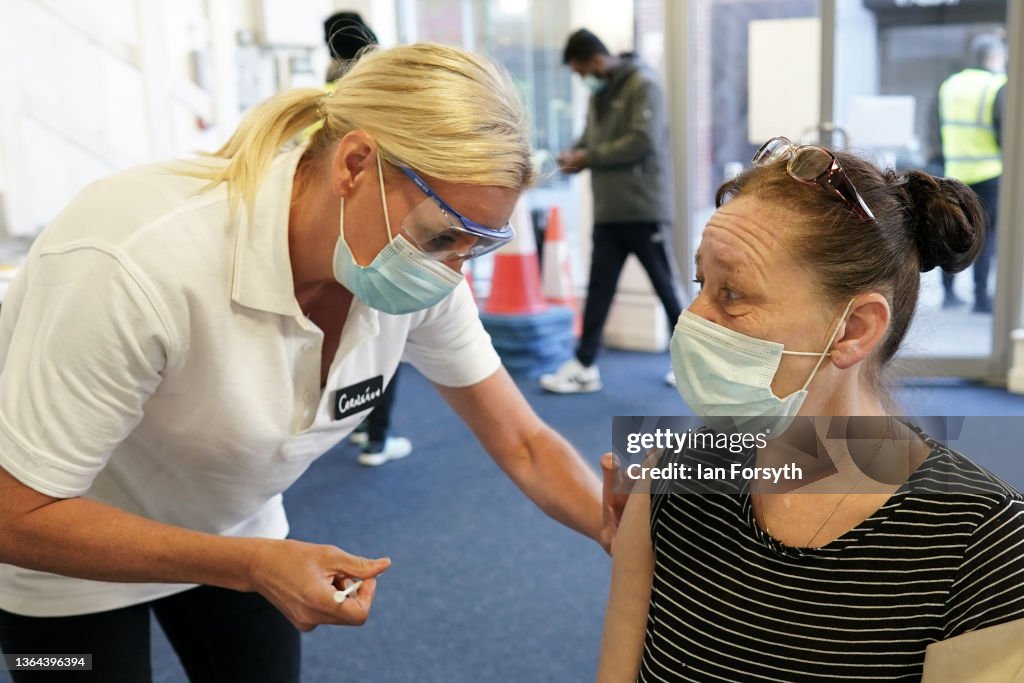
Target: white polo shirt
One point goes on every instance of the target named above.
(154, 358)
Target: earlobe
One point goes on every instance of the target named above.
(866, 326)
(839, 359)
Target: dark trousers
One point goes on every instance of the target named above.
(378, 422)
(613, 242)
(988, 193)
(221, 636)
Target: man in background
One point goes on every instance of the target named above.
(626, 147)
(971, 105)
(346, 35)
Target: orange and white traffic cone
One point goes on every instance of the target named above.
(515, 284)
(557, 275)
(530, 336)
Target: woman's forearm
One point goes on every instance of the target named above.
(90, 540)
(561, 483)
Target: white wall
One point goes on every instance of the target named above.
(609, 20)
(784, 76)
(855, 73)
(92, 86)
(381, 15)
(71, 110)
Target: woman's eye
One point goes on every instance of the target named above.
(439, 242)
(728, 295)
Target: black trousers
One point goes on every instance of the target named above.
(378, 422)
(221, 636)
(613, 242)
(988, 193)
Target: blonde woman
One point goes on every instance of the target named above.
(185, 339)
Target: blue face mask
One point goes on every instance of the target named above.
(725, 377)
(594, 83)
(401, 278)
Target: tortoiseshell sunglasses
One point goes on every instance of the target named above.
(814, 165)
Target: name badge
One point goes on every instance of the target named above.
(358, 397)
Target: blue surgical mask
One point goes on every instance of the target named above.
(400, 279)
(725, 377)
(594, 83)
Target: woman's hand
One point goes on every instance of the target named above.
(300, 580)
(613, 500)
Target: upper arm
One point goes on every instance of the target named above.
(451, 348)
(643, 121)
(448, 343)
(646, 110)
(495, 411)
(625, 622)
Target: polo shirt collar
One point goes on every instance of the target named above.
(262, 274)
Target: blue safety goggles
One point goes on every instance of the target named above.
(443, 234)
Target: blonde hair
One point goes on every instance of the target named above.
(437, 109)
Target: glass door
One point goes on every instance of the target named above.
(856, 74)
(884, 62)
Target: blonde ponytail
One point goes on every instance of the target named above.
(261, 134)
(437, 109)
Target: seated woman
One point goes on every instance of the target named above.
(808, 288)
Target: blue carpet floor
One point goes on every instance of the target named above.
(484, 588)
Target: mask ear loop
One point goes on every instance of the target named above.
(828, 347)
(383, 197)
(341, 218)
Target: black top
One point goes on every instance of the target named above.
(944, 556)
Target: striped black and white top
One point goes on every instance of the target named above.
(944, 556)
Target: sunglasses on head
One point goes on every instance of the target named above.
(814, 165)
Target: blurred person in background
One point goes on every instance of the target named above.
(970, 123)
(626, 147)
(345, 34)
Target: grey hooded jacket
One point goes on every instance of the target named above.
(628, 150)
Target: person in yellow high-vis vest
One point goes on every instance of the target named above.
(971, 104)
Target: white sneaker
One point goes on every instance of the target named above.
(572, 378)
(670, 378)
(360, 435)
(395, 448)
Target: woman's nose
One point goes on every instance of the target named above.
(704, 307)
